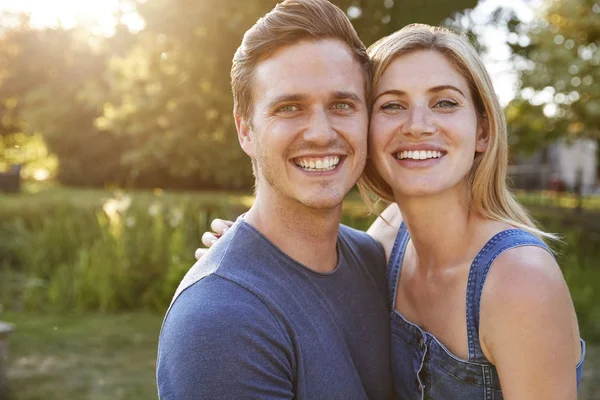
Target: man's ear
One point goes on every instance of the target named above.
(483, 136)
(245, 135)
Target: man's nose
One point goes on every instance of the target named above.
(319, 130)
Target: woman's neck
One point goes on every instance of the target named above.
(442, 228)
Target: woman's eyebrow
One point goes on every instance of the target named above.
(435, 89)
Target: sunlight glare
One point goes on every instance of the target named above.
(98, 16)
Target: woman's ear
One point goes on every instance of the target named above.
(483, 136)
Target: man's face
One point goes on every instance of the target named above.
(308, 133)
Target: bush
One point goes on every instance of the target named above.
(578, 255)
(120, 254)
(82, 251)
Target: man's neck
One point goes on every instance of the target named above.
(305, 234)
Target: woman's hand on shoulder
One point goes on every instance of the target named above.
(528, 326)
(219, 227)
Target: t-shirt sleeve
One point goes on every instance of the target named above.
(219, 341)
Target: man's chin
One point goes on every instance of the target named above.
(322, 200)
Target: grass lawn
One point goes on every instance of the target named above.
(101, 357)
(89, 357)
(90, 198)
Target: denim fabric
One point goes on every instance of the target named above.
(423, 368)
(248, 322)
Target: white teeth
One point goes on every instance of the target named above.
(320, 164)
(418, 154)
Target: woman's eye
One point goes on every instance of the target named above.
(446, 104)
(288, 108)
(391, 106)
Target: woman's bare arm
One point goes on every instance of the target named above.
(385, 228)
(528, 326)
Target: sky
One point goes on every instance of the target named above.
(99, 16)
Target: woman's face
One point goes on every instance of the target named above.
(424, 128)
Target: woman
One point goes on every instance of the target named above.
(438, 150)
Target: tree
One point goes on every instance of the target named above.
(171, 93)
(374, 19)
(557, 58)
(52, 82)
(154, 109)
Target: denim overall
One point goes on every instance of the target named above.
(422, 367)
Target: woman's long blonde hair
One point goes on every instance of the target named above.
(489, 193)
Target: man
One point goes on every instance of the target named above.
(289, 304)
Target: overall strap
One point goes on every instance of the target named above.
(479, 269)
(395, 262)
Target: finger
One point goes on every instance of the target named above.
(220, 226)
(208, 239)
(200, 252)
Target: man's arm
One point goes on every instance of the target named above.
(219, 341)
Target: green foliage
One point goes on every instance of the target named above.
(115, 254)
(578, 257)
(558, 59)
(79, 251)
(153, 109)
(50, 97)
(378, 18)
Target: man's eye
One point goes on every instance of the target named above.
(288, 108)
(342, 106)
(445, 104)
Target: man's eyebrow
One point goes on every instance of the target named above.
(287, 98)
(345, 95)
(434, 89)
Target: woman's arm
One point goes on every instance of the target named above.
(528, 327)
(219, 227)
(385, 228)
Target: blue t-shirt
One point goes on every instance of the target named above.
(249, 322)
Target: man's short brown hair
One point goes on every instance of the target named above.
(288, 23)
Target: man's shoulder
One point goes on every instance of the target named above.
(213, 298)
(227, 256)
(213, 330)
(354, 234)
